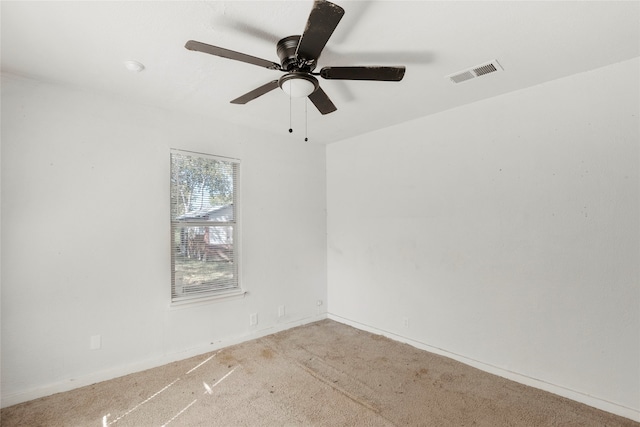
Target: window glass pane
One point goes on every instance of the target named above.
(202, 188)
(203, 260)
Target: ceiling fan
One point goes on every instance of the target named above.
(298, 58)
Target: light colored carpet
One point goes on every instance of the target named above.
(322, 374)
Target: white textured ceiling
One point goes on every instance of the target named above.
(84, 43)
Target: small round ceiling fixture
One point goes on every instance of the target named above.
(134, 66)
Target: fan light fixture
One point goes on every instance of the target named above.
(298, 85)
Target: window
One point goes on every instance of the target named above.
(204, 227)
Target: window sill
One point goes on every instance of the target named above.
(193, 302)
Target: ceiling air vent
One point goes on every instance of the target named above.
(477, 71)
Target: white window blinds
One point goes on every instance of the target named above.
(204, 226)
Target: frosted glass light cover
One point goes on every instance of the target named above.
(298, 88)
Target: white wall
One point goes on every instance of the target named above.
(506, 232)
(85, 237)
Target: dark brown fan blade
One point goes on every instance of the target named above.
(249, 96)
(388, 74)
(322, 101)
(230, 54)
(323, 20)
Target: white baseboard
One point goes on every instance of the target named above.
(115, 372)
(595, 402)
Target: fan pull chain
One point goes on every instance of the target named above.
(306, 102)
(290, 129)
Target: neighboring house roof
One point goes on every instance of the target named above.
(212, 213)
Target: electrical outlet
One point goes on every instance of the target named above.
(405, 322)
(253, 319)
(281, 311)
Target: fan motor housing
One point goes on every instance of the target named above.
(286, 49)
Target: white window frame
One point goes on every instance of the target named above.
(178, 295)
